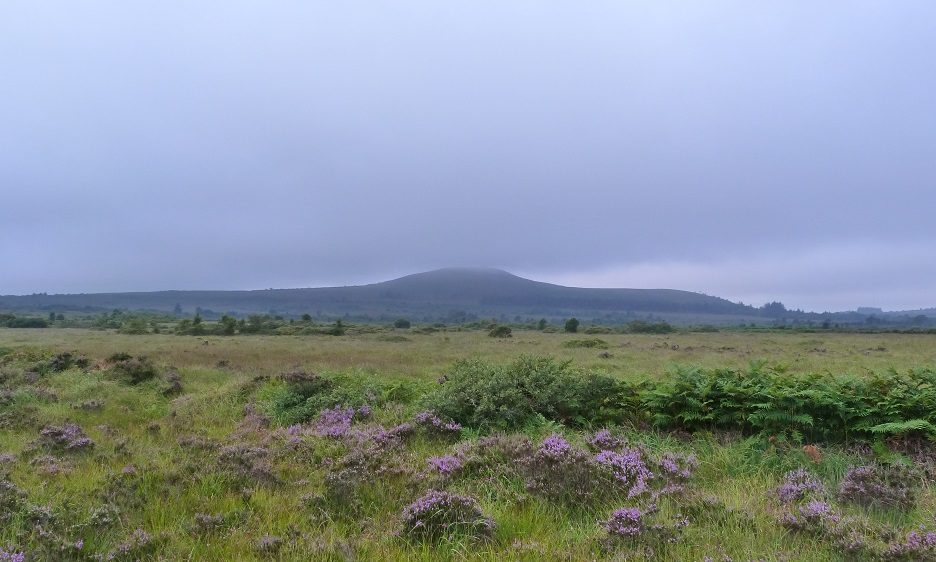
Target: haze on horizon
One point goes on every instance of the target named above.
(752, 151)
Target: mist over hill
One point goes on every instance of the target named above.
(452, 294)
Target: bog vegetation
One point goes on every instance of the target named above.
(152, 452)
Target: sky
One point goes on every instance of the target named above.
(755, 151)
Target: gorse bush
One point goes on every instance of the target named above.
(487, 396)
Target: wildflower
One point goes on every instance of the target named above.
(445, 465)
(603, 440)
(628, 468)
(797, 484)
(434, 424)
(625, 522)
(440, 514)
(334, 422)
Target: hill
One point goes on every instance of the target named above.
(444, 294)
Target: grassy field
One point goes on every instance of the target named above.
(204, 471)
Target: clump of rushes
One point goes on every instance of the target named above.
(878, 485)
(440, 514)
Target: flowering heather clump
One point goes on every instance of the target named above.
(138, 544)
(269, 544)
(445, 465)
(334, 422)
(501, 453)
(49, 465)
(246, 461)
(436, 425)
(604, 440)
(439, 514)
(205, 523)
(628, 468)
(625, 522)
(675, 470)
(798, 484)
(816, 516)
(11, 555)
(69, 437)
(887, 486)
(559, 471)
(918, 545)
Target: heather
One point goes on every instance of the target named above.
(524, 458)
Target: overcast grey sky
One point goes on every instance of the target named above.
(750, 150)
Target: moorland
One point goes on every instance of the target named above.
(409, 444)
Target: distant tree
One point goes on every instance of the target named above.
(500, 332)
(774, 308)
(541, 325)
(51, 317)
(198, 328)
(228, 325)
(307, 318)
(402, 324)
(572, 325)
(60, 317)
(177, 310)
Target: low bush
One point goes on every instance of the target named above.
(593, 343)
(487, 396)
(439, 514)
(134, 370)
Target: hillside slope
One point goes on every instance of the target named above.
(434, 294)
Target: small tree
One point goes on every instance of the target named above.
(307, 318)
(402, 324)
(572, 325)
(228, 325)
(541, 325)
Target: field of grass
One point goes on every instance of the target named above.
(216, 469)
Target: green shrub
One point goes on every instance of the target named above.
(587, 343)
(641, 327)
(488, 396)
(134, 370)
(500, 332)
(298, 397)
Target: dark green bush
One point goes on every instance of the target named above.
(500, 332)
(587, 343)
(134, 370)
(642, 327)
(487, 396)
(298, 397)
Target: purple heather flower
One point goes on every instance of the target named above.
(796, 484)
(625, 522)
(334, 422)
(628, 468)
(445, 465)
(555, 446)
(434, 423)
